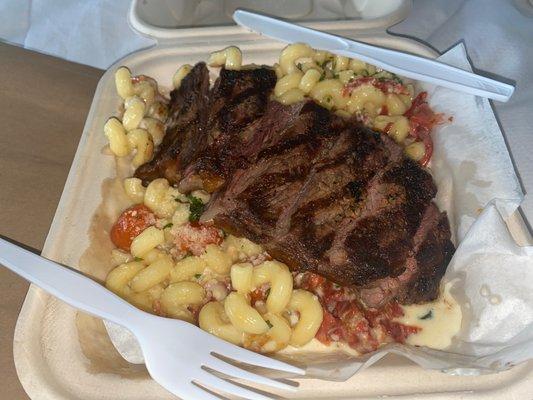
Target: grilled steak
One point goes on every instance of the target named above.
(185, 134)
(339, 200)
(320, 193)
(237, 101)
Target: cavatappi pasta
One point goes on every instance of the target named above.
(172, 266)
(349, 87)
(141, 125)
(228, 285)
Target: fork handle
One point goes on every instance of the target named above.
(68, 285)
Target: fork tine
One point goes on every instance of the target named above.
(213, 381)
(189, 390)
(249, 357)
(226, 368)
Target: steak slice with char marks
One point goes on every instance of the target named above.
(205, 125)
(332, 197)
(238, 100)
(185, 134)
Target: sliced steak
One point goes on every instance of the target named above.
(237, 101)
(425, 266)
(185, 134)
(332, 197)
(321, 193)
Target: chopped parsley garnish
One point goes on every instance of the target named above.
(137, 259)
(196, 208)
(364, 72)
(198, 276)
(322, 76)
(428, 315)
(169, 225)
(269, 323)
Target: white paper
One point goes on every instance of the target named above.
(492, 276)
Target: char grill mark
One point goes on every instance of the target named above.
(185, 129)
(239, 99)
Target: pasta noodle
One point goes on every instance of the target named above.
(123, 83)
(291, 53)
(328, 93)
(291, 96)
(146, 91)
(134, 189)
(275, 339)
(120, 276)
(149, 239)
(120, 257)
(134, 113)
(397, 127)
(213, 319)
(242, 277)
(140, 140)
(311, 315)
(366, 97)
(155, 128)
(181, 215)
(153, 255)
(288, 82)
(309, 80)
(161, 198)
(153, 274)
(341, 63)
(280, 279)
(230, 58)
(243, 316)
(177, 296)
(187, 268)
(415, 151)
(180, 74)
(217, 260)
(116, 134)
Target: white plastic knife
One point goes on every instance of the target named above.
(408, 65)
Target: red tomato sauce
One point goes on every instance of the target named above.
(347, 321)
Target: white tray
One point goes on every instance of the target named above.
(63, 354)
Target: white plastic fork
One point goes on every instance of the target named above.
(179, 356)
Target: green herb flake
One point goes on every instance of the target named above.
(198, 276)
(196, 208)
(169, 225)
(269, 323)
(428, 315)
(267, 292)
(137, 259)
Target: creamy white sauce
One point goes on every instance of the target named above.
(440, 320)
(317, 347)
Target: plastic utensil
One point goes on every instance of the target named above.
(408, 65)
(179, 356)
